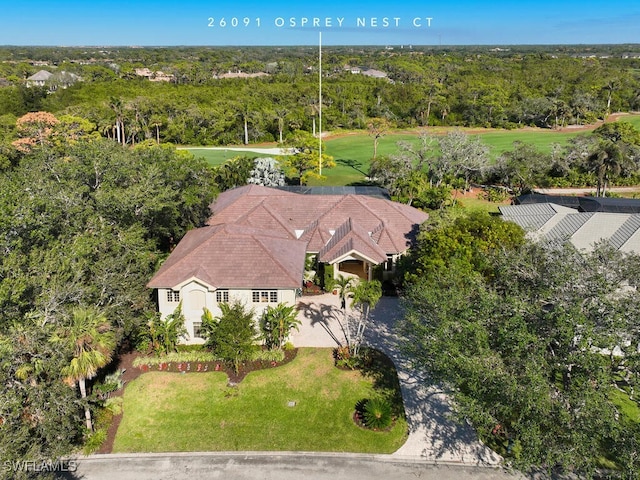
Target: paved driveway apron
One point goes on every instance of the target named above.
(433, 435)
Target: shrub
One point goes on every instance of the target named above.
(94, 441)
(176, 357)
(268, 355)
(344, 359)
(376, 414)
(110, 384)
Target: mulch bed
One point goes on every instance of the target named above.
(131, 373)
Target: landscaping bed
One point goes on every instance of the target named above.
(202, 366)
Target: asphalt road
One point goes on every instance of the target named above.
(276, 465)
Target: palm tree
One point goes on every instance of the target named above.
(93, 342)
(606, 159)
(366, 295)
(165, 332)
(116, 105)
(277, 322)
(343, 285)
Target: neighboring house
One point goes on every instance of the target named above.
(241, 75)
(257, 241)
(39, 79)
(53, 81)
(556, 223)
(154, 76)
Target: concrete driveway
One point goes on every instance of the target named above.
(433, 435)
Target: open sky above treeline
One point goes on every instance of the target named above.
(279, 22)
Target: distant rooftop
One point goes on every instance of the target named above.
(583, 204)
(370, 191)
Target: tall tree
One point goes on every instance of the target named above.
(38, 411)
(377, 128)
(306, 161)
(526, 344)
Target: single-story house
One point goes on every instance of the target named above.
(257, 241)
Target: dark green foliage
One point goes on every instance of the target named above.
(519, 341)
(90, 225)
(376, 413)
(233, 173)
(40, 415)
(464, 240)
(232, 336)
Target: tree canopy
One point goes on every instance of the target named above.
(533, 341)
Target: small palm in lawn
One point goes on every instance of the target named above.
(276, 324)
(92, 342)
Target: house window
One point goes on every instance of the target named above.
(222, 296)
(197, 330)
(173, 295)
(264, 296)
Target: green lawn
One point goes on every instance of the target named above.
(198, 412)
(353, 151)
(217, 157)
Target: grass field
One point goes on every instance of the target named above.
(198, 412)
(353, 151)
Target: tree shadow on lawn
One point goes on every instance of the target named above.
(378, 367)
(354, 164)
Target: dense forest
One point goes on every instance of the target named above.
(220, 96)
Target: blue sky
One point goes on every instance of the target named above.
(277, 22)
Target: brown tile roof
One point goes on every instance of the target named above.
(258, 237)
(317, 216)
(234, 256)
(351, 238)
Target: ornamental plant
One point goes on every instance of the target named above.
(376, 414)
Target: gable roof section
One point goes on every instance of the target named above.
(234, 256)
(351, 238)
(532, 217)
(625, 232)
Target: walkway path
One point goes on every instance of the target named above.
(433, 435)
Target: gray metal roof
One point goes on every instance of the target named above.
(624, 233)
(532, 217)
(556, 224)
(567, 226)
(40, 76)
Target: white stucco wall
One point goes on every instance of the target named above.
(195, 295)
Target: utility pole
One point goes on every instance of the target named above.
(320, 100)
